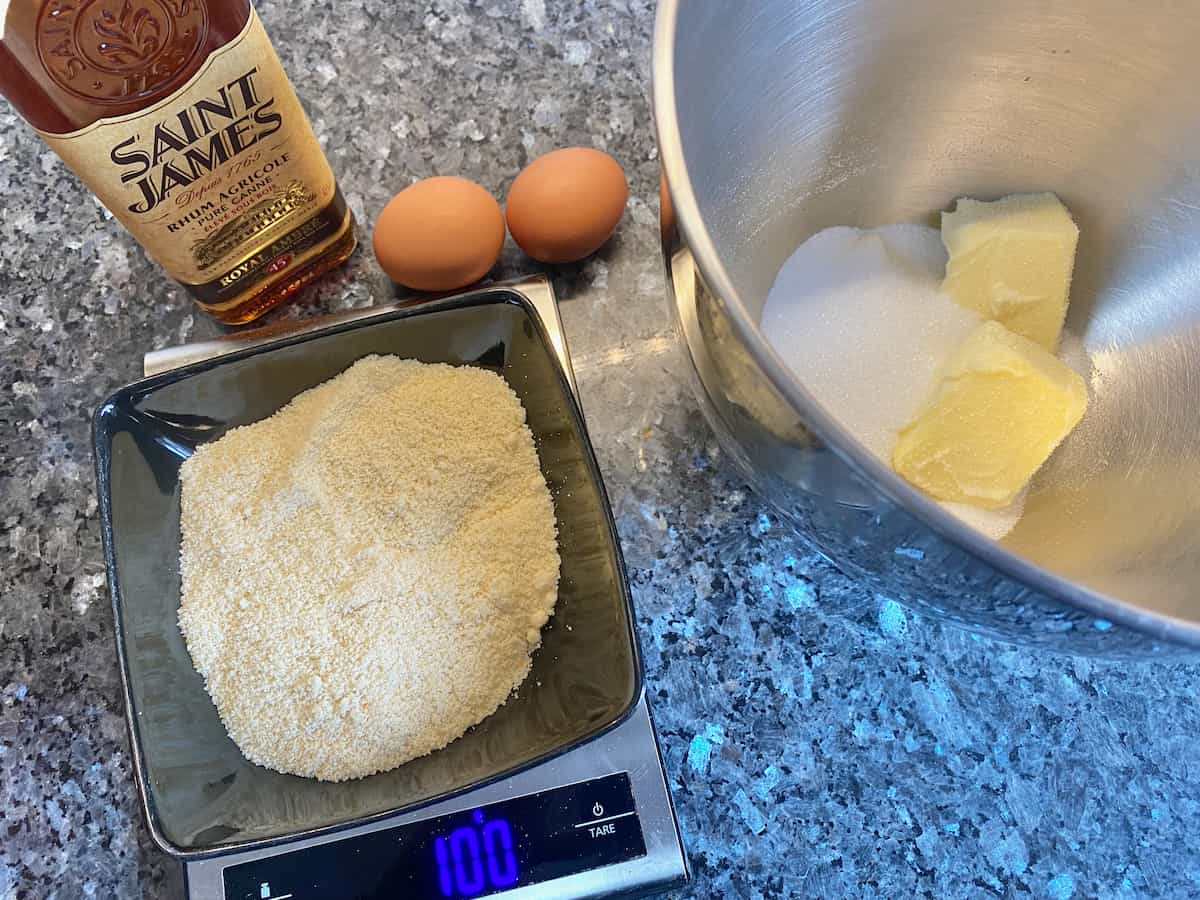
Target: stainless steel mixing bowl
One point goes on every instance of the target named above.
(782, 117)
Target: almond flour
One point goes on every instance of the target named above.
(366, 572)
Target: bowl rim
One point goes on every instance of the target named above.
(874, 471)
(101, 448)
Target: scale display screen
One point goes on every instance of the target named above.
(477, 852)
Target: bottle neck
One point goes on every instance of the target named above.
(65, 66)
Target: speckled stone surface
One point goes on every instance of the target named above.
(820, 742)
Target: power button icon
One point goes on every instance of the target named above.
(597, 810)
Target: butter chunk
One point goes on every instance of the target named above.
(1011, 261)
(1001, 406)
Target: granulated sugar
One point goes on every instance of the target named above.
(858, 316)
(366, 573)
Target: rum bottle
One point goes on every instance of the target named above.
(179, 117)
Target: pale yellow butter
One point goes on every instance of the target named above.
(1001, 406)
(1011, 260)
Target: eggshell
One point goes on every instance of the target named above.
(439, 234)
(566, 204)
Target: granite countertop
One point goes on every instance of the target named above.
(819, 741)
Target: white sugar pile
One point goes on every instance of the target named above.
(859, 318)
(366, 573)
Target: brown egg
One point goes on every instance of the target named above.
(439, 234)
(566, 204)
(666, 209)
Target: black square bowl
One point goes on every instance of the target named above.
(200, 794)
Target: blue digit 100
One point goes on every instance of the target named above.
(473, 859)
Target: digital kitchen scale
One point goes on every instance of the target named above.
(594, 822)
(584, 813)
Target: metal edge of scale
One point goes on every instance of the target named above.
(536, 289)
(631, 747)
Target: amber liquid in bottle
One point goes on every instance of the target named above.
(178, 115)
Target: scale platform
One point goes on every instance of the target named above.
(594, 820)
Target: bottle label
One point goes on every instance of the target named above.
(223, 182)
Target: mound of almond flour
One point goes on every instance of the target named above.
(366, 572)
